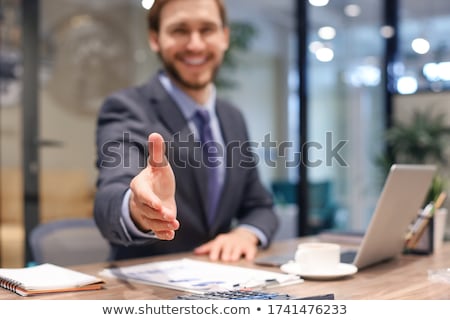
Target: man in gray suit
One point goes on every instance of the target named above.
(193, 192)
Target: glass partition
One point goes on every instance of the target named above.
(345, 112)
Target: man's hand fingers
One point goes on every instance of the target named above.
(230, 246)
(156, 151)
(152, 201)
(159, 171)
(157, 225)
(165, 235)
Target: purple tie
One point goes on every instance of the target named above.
(211, 160)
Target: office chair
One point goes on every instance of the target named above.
(68, 242)
(322, 208)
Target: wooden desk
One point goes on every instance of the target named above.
(402, 278)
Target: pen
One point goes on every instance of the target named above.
(440, 200)
(426, 213)
(267, 283)
(255, 283)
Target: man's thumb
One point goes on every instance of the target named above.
(156, 150)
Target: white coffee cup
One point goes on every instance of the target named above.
(317, 257)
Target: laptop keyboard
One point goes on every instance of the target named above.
(348, 256)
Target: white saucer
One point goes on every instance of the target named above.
(342, 270)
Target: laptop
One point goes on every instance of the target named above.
(401, 199)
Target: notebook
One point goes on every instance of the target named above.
(46, 278)
(401, 199)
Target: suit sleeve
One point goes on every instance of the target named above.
(121, 155)
(257, 207)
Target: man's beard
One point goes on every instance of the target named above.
(173, 73)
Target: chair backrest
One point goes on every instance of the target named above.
(285, 192)
(68, 242)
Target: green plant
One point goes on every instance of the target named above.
(241, 34)
(423, 140)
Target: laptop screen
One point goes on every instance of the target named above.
(400, 201)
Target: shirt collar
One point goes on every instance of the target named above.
(186, 104)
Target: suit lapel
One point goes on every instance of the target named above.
(164, 106)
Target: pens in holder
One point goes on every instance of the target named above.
(423, 220)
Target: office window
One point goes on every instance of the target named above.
(345, 112)
(424, 47)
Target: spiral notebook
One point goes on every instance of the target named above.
(46, 278)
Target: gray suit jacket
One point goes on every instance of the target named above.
(124, 123)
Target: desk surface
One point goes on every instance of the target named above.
(402, 278)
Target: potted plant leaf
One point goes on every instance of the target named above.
(422, 140)
(241, 36)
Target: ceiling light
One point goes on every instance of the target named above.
(431, 71)
(147, 4)
(398, 69)
(318, 3)
(387, 31)
(315, 45)
(352, 10)
(325, 54)
(327, 33)
(444, 71)
(407, 85)
(437, 71)
(420, 45)
(364, 75)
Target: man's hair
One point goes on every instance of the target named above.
(154, 14)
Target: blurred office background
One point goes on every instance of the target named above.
(363, 66)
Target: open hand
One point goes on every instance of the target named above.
(152, 201)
